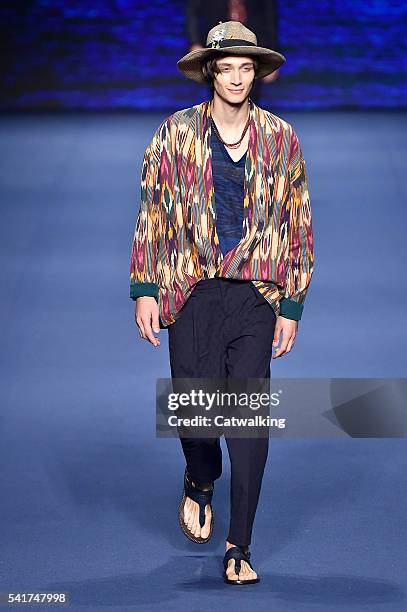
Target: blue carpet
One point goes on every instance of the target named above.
(89, 496)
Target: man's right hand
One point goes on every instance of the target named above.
(147, 318)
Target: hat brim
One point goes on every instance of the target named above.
(191, 63)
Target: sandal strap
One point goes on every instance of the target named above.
(238, 553)
(200, 497)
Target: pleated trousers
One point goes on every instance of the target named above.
(225, 330)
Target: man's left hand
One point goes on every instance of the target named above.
(288, 329)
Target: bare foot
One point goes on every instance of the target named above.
(246, 572)
(191, 514)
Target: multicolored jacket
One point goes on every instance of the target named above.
(175, 240)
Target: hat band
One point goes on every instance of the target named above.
(230, 42)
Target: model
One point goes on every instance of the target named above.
(222, 257)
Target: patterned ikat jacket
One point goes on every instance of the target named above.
(175, 241)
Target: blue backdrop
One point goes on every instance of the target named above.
(100, 54)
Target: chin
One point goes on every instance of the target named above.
(236, 97)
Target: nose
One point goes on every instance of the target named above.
(236, 80)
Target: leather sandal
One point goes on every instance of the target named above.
(203, 498)
(239, 553)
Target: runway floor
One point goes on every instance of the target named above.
(89, 495)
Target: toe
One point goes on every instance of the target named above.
(207, 527)
(187, 510)
(246, 573)
(190, 518)
(230, 570)
(196, 526)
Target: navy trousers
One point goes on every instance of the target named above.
(225, 329)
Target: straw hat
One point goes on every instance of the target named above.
(230, 36)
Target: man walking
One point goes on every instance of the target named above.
(222, 257)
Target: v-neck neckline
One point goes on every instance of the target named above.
(231, 158)
(225, 151)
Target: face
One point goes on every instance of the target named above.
(235, 78)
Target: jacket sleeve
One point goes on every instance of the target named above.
(143, 264)
(301, 241)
